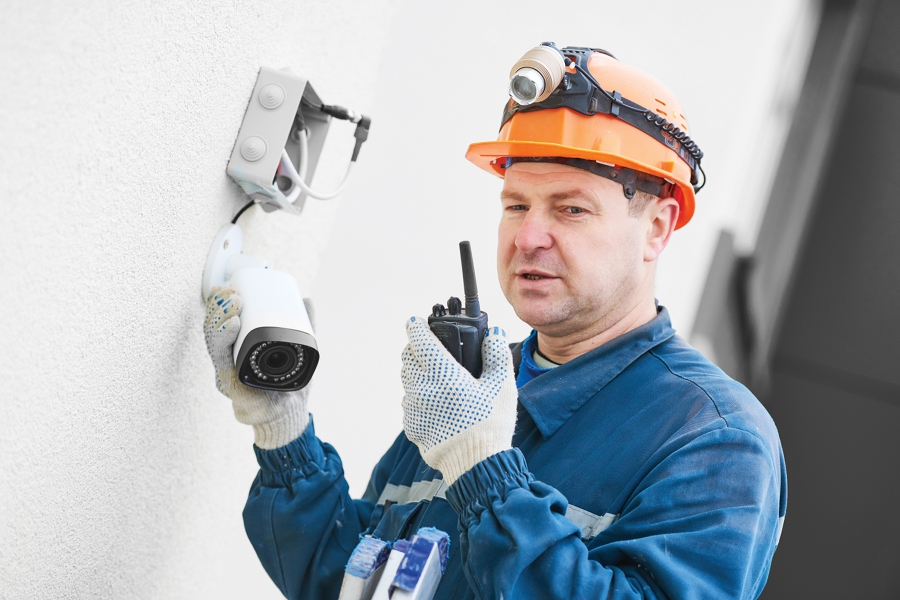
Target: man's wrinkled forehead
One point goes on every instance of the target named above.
(555, 182)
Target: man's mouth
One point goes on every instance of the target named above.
(536, 275)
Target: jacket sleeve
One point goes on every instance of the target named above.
(702, 523)
(300, 518)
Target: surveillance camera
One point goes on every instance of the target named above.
(275, 348)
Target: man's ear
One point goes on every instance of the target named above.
(661, 216)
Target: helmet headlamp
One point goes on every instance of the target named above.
(631, 129)
(526, 86)
(539, 81)
(534, 76)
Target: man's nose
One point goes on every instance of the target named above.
(534, 233)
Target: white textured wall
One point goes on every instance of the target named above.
(122, 471)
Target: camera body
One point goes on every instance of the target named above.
(275, 348)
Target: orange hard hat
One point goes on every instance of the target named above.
(636, 131)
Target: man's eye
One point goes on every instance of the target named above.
(574, 210)
(517, 207)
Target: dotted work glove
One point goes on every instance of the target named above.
(456, 420)
(277, 417)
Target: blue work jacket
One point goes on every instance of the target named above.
(639, 470)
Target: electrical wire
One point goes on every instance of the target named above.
(697, 189)
(301, 173)
(240, 212)
(287, 168)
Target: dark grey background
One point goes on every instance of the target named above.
(808, 320)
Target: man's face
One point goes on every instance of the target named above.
(569, 256)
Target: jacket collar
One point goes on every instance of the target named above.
(553, 397)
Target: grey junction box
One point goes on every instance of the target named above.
(269, 127)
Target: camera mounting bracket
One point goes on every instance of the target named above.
(225, 258)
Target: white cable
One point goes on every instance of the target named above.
(304, 165)
(299, 183)
(304, 155)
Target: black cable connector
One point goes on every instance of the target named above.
(361, 134)
(363, 123)
(339, 112)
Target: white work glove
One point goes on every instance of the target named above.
(456, 420)
(277, 417)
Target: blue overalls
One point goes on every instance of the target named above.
(639, 470)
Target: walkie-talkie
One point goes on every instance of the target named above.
(462, 331)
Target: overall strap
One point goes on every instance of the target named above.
(516, 349)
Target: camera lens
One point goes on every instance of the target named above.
(276, 361)
(278, 365)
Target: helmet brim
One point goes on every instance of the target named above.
(489, 156)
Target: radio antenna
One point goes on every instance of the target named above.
(473, 307)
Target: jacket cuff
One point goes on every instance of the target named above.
(300, 454)
(280, 430)
(489, 480)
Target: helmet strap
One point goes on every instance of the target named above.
(631, 180)
(582, 93)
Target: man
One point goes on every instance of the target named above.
(603, 457)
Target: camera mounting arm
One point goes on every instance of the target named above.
(226, 257)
